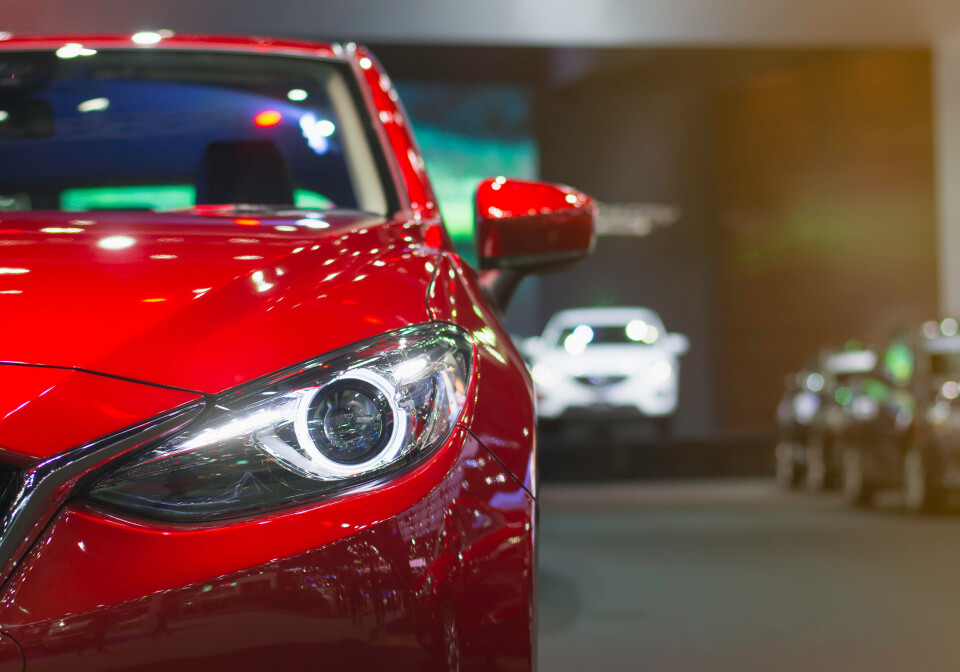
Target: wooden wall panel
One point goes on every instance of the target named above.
(825, 216)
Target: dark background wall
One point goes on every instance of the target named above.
(825, 214)
(625, 140)
(512, 22)
(803, 180)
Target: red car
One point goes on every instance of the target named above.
(255, 412)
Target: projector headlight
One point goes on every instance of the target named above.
(319, 428)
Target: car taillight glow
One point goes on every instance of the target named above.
(267, 118)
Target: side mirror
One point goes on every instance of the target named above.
(526, 227)
(678, 344)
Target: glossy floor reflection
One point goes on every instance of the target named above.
(740, 576)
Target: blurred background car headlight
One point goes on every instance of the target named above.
(658, 372)
(545, 375)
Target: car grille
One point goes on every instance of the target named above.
(599, 381)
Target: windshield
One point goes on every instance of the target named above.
(637, 332)
(166, 130)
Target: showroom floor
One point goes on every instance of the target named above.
(739, 576)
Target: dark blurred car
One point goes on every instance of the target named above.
(795, 412)
(810, 416)
(904, 429)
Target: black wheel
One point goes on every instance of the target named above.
(818, 477)
(449, 641)
(922, 485)
(789, 473)
(858, 488)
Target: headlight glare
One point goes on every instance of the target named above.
(659, 372)
(331, 424)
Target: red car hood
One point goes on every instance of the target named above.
(201, 302)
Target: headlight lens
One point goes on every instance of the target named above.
(330, 424)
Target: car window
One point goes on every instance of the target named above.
(167, 130)
(637, 332)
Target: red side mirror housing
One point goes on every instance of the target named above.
(531, 226)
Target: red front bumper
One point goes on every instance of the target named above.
(357, 583)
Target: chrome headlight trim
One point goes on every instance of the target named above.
(254, 452)
(44, 487)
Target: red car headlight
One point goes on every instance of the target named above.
(330, 424)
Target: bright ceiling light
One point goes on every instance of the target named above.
(116, 242)
(316, 131)
(146, 37)
(260, 281)
(312, 223)
(74, 49)
(94, 105)
(325, 128)
(297, 95)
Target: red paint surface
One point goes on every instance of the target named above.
(398, 135)
(504, 418)
(47, 411)
(287, 592)
(11, 658)
(523, 218)
(178, 41)
(208, 300)
(238, 301)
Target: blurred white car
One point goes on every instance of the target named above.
(606, 360)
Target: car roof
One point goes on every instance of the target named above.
(602, 316)
(170, 40)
